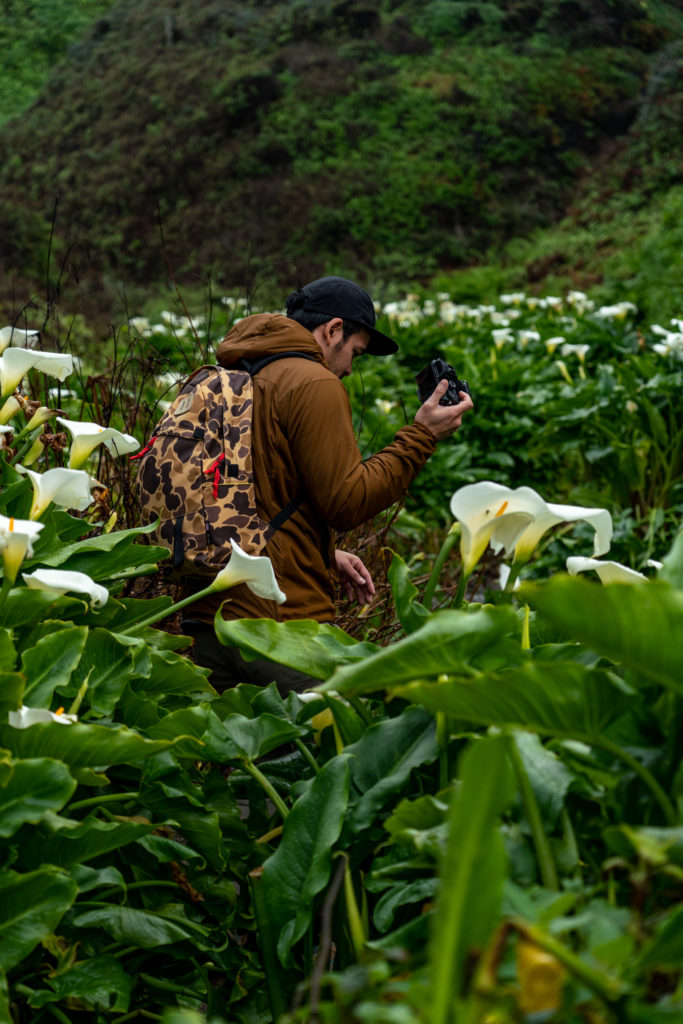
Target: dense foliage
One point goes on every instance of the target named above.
(479, 822)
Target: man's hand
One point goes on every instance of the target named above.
(443, 420)
(354, 577)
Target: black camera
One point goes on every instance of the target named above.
(435, 371)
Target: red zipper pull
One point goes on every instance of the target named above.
(144, 451)
(215, 468)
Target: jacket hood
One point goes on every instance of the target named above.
(266, 334)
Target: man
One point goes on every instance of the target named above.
(304, 447)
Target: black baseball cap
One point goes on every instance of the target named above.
(337, 296)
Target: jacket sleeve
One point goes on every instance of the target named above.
(346, 490)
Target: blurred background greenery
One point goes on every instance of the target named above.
(249, 147)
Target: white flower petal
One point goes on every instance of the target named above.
(16, 362)
(87, 436)
(68, 488)
(609, 572)
(15, 336)
(254, 570)
(59, 582)
(26, 717)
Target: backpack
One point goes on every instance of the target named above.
(195, 472)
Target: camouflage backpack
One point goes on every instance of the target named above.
(195, 475)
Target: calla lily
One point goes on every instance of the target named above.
(9, 409)
(13, 335)
(254, 570)
(87, 436)
(515, 520)
(40, 416)
(552, 343)
(609, 572)
(68, 488)
(482, 509)
(16, 541)
(34, 452)
(15, 362)
(59, 582)
(25, 717)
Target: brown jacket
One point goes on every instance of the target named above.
(304, 443)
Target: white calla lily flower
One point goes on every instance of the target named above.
(480, 509)
(609, 572)
(16, 362)
(25, 717)
(9, 409)
(60, 582)
(14, 336)
(16, 542)
(254, 570)
(87, 436)
(68, 488)
(515, 520)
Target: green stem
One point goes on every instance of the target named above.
(526, 636)
(307, 754)
(546, 864)
(271, 964)
(360, 709)
(446, 548)
(442, 743)
(460, 592)
(354, 918)
(167, 986)
(644, 774)
(267, 785)
(165, 612)
(58, 1014)
(94, 801)
(5, 589)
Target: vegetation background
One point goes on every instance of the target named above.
(249, 147)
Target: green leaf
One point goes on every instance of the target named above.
(98, 983)
(449, 642)
(666, 948)
(237, 737)
(73, 842)
(24, 605)
(672, 567)
(11, 692)
(80, 745)
(31, 906)
(631, 625)
(171, 673)
(35, 787)
(315, 648)
(133, 927)
(50, 662)
(565, 700)
(472, 871)
(383, 759)
(550, 779)
(300, 867)
(88, 878)
(411, 614)
(8, 653)
(109, 663)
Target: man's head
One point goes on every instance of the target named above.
(341, 317)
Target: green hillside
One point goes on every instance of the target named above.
(269, 142)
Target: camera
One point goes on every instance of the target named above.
(435, 371)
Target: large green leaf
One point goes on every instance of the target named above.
(50, 663)
(98, 983)
(315, 648)
(24, 605)
(472, 871)
(75, 842)
(108, 664)
(80, 745)
(300, 867)
(31, 906)
(383, 759)
(171, 673)
(105, 555)
(555, 699)
(411, 614)
(35, 787)
(11, 691)
(665, 950)
(449, 642)
(632, 625)
(134, 927)
(8, 653)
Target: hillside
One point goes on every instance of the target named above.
(391, 140)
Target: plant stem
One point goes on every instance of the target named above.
(645, 775)
(94, 801)
(526, 637)
(596, 980)
(460, 592)
(299, 743)
(546, 864)
(442, 742)
(271, 964)
(443, 554)
(165, 612)
(267, 785)
(353, 914)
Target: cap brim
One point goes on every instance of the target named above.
(379, 344)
